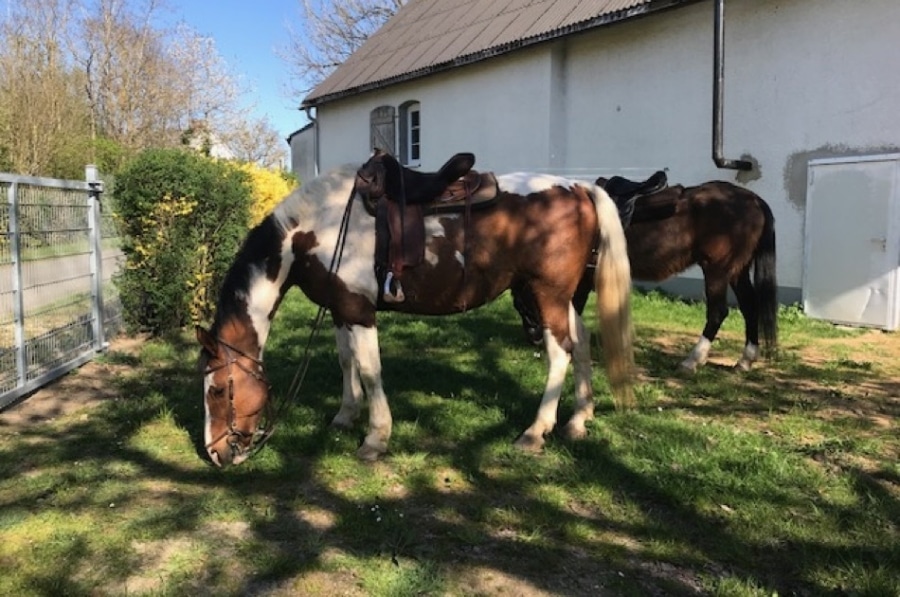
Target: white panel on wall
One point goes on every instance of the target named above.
(852, 248)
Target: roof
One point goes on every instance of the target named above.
(427, 36)
(302, 129)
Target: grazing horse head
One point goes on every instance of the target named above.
(235, 390)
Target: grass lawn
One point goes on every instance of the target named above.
(784, 480)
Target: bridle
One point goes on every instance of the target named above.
(264, 431)
(272, 414)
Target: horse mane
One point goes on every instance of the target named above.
(308, 199)
(267, 238)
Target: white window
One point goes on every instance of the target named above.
(411, 133)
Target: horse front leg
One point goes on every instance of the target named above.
(363, 342)
(352, 392)
(716, 312)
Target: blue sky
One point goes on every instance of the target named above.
(247, 35)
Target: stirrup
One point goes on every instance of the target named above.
(390, 296)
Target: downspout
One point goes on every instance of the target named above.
(719, 94)
(315, 124)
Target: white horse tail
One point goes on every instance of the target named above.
(612, 283)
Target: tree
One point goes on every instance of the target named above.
(99, 80)
(42, 115)
(331, 30)
(255, 142)
(147, 85)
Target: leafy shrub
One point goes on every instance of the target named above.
(182, 218)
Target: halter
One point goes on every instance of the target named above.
(262, 434)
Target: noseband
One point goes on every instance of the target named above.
(264, 431)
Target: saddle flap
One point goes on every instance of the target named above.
(400, 234)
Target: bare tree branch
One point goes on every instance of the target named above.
(328, 32)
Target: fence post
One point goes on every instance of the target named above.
(17, 286)
(96, 242)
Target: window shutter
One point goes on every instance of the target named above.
(382, 125)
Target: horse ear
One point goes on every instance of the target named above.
(206, 339)
(457, 167)
(600, 182)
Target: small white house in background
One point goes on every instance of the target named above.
(303, 152)
(811, 101)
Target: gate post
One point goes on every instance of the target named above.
(15, 250)
(96, 242)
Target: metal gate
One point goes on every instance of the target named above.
(58, 305)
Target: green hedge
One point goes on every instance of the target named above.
(182, 217)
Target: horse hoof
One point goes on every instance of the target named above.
(688, 366)
(743, 366)
(341, 425)
(574, 431)
(530, 443)
(368, 454)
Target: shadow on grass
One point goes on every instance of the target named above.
(498, 517)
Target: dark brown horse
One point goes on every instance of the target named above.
(539, 233)
(726, 230)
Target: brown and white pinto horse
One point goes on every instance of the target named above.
(726, 230)
(540, 233)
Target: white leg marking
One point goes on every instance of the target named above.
(364, 347)
(751, 353)
(352, 395)
(584, 394)
(698, 355)
(533, 437)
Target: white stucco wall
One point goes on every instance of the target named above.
(804, 79)
(497, 110)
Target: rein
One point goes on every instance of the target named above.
(273, 414)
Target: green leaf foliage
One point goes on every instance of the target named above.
(182, 217)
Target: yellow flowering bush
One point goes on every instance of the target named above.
(269, 188)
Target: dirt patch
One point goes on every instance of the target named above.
(84, 387)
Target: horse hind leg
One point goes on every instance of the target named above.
(747, 302)
(716, 312)
(559, 354)
(584, 394)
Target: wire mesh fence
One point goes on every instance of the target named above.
(59, 251)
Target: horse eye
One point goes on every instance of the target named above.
(217, 392)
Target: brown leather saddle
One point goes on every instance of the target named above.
(405, 197)
(625, 194)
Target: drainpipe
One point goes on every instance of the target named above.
(315, 139)
(719, 94)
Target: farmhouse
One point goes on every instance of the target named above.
(797, 100)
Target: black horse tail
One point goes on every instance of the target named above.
(765, 282)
